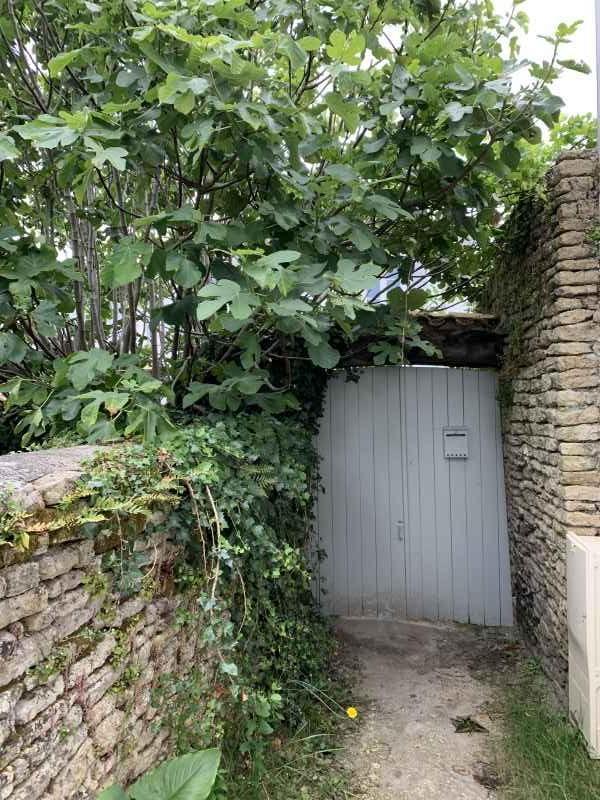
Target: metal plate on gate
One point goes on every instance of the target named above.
(456, 443)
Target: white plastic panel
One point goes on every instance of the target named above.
(583, 614)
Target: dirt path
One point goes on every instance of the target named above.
(415, 678)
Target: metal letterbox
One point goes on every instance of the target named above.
(456, 443)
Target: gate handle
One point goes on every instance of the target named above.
(400, 529)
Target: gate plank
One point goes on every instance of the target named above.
(491, 540)
(427, 493)
(367, 494)
(382, 503)
(443, 519)
(414, 568)
(458, 502)
(353, 520)
(474, 468)
(396, 493)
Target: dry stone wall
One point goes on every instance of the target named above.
(551, 398)
(78, 664)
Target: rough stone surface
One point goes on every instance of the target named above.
(552, 423)
(78, 664)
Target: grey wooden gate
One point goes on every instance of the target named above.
(412, 518)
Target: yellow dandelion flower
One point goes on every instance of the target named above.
(352, 712)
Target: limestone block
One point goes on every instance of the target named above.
(579, 448)
(29, 706)
(562, 304)
(575, 291)
(577, 464)
(108, 732)
(583, 332)
(574, 252)
(70, 623)
(576, 416)
(572, 317)
(573, 168)
(22, 605)
(28, 651)
(569, 349)
(585, 478)
(58, 561)
(568, 397)
(19, 578)
(581, 520)
(56, 486)
(579, 433)
(63, 583)
(8, 642)
(576, 277)
(104, 679)
(67, 604)
(92, 661)
(101, 710)
(86, 552)
(580, 379)
(570, 238)
(73, 775)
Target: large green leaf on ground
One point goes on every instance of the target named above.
(189, 777)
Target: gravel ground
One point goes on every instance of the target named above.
(416, 682)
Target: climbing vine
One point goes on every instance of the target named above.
(234, 494)
(514, 284)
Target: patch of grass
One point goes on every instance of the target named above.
(303, 767)
(306, 763)
(544, 755)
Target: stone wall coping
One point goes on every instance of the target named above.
(27, 467)
(40, 479)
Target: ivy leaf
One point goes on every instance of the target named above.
(177, 85)
(288, 307)
(46, 317)
(294, 52)
(89, 414)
